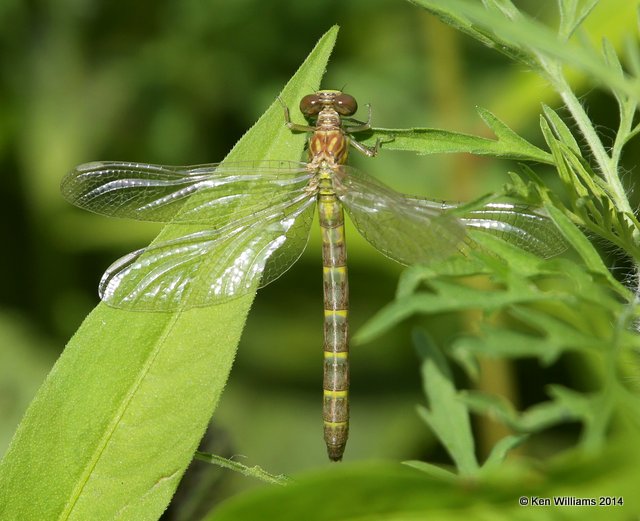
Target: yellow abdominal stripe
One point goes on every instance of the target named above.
(335, 312)
(335, 424)
(336, 354)
(335, 394)
(338, 269)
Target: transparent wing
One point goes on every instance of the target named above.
(402, 230)
(523, 226)
(210, 194)
(210, 266)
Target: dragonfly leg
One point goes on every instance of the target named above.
(290, 124)
(364, 149)
(362, 127)
(367, 151)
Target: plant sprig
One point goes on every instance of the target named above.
(535, 308)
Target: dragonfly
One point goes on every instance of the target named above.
(250, 221)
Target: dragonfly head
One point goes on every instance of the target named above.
(344, 104)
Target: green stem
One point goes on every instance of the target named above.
(605, 164)
(255, 472)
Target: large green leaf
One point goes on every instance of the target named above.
(119, 417)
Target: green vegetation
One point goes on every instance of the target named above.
(120, 416)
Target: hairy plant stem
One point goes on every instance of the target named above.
(608, 169)
(607, 165)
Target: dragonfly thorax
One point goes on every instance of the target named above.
(328, 119)
(328, 146)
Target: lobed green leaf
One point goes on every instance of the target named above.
(447, 417)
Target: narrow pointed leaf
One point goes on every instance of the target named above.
(120, 415)
(561, 129)
(437, 141)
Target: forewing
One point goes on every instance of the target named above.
(523, 226)
(210, 194)
(210, 266)
(405, 232)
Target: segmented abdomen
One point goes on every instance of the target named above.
(336, 332)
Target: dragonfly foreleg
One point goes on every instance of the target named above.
(361, 127)
(367, 151)
(290, 124)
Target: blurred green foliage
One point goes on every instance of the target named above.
(179, 82)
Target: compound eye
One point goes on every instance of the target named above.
(310, 105)
(345, 104)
